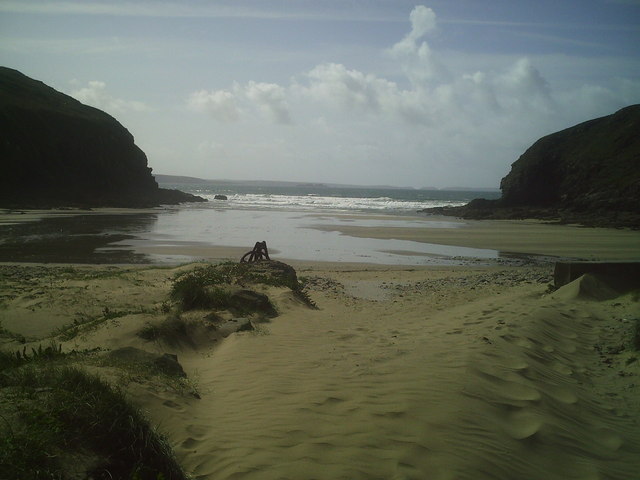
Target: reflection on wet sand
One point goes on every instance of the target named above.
(75, 239)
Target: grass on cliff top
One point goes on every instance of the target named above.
(59, 422)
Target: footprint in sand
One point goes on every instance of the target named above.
(190, 443)
(329, 401)
(347, 336)
(477, 322)
(197, 431)
(174, 405)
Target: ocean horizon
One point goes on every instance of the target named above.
(320, 197)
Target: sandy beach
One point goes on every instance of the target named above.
(470, 370)
(400, 373)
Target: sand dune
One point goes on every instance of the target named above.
(450, 375)
(402, 373)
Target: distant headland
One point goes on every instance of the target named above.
(57, 152)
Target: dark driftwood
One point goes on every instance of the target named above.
(259, 252)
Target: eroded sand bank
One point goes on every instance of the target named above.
(481, 385)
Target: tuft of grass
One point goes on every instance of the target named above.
(195, 290)
(167, 330)
(87, 323)
(63, 410)
(303, 295)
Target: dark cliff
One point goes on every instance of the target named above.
(588, 173)
(593, 165)
(55, 151)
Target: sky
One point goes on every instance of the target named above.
(438, 94)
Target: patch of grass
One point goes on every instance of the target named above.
(61, 411)
(635, 340)
(168, 329)
(200, 289)
(39, 355)
(203, 286)
(273, 273)
(87, 323)
(303, 295)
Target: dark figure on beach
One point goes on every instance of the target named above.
(259, 252)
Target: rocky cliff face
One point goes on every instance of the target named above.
(55, 151)
(592, 166)
(588, 174)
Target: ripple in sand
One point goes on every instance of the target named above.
(608, 439)
(523, 424)
(560, 368)
(563, 395)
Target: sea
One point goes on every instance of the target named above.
(298, 222)
(321, 198)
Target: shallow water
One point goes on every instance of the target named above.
(126, 238)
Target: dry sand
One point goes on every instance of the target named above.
(402, 373)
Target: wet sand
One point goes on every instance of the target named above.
(510, 236)
(178, 236)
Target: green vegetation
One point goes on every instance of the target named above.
(87, 323)
(58, 419)
(272, 273)
(208, 286)
(195, 290)
(169, 330)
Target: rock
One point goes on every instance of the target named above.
(234, 325)
(220, 197)
(166, 363)
(272, 272)
(57, 152)
(248, 301)
(591, 165)
(588, 174)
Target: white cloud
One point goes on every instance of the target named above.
(334, 84)
(96, 95)
(417, 59)
(220, 104)
(522, 84)
(438, 128)
(270, 99)
(423, 21)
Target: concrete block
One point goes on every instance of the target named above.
(623, 276)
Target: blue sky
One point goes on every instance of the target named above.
(443, 93)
